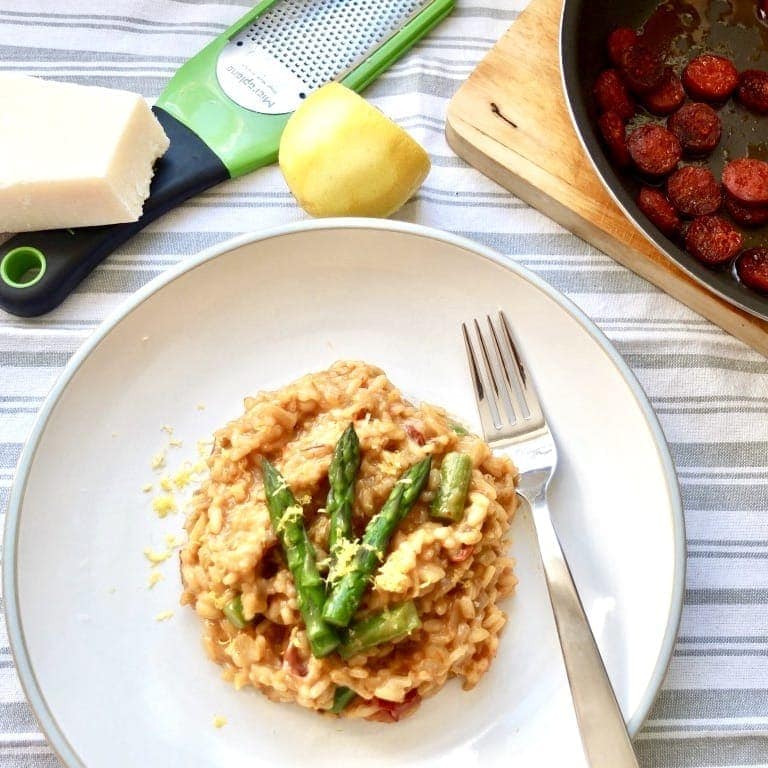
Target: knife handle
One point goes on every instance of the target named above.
(38, 270)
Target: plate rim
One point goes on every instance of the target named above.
(25, 670)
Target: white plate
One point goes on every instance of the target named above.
(113, 687)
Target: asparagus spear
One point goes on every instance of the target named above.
(288, 522)
(451, 496)
(347, 593)
(384, 627)
(458, 429)
(233, 610)
(341, 495)
(342, 696)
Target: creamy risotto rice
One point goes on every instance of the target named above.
(455, 573)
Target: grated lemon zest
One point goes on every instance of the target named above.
(158, 461)
(219, 721)
(183, 477)
(163, 505)
(147, 487)
(291, 515)
(165, 483)
(154, 577)
(156, 557)
(345, 557)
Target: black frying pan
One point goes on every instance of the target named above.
(728, 27)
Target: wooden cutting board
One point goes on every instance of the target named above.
(510, 121)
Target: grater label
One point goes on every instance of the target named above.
(255, 80)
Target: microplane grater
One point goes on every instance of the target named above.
(224, 111)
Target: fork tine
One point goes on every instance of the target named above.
(484, 350)
(530, 398)
(486, 417)
(512, 394)
(493, 401)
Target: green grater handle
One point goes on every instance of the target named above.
(410, 34)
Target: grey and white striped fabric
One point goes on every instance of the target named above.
(710, 391)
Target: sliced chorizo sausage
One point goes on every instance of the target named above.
(710, 78)
(698, 128)
(667, 96)
(654, 150)
(614, 134)
(642, 67)
(618, 42)
(694, 191)
(746, 215)
(659, 210)
(753, 90)
(611, 94)
(752, 269)
(712, 240)
(747, 180)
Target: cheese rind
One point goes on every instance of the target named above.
(73, 155)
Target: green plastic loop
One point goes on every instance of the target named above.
(22, 267)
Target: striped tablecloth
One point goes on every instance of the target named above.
(710, 391)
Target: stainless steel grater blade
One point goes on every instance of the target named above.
(299, 45)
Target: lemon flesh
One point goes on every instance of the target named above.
(342, 157)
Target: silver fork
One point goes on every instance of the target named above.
(512, 418)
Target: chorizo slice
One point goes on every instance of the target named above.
(752, 269)
(698, 128)
(659, 210)
(710, 78)
(654, 150)
(746, 215)
(642, 67)
(614, 133)
(746, 179)
(618, 42)
(667, 96)
(712, 240)
(694, 191)
(611, 94)
(753, 90)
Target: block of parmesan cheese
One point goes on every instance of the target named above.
(73, 155)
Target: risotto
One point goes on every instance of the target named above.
(439, 579)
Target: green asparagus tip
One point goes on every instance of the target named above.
(342, 473)
(387, 626)
(342, 696)
(233, 610)
(451, 496)
(322, 639)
